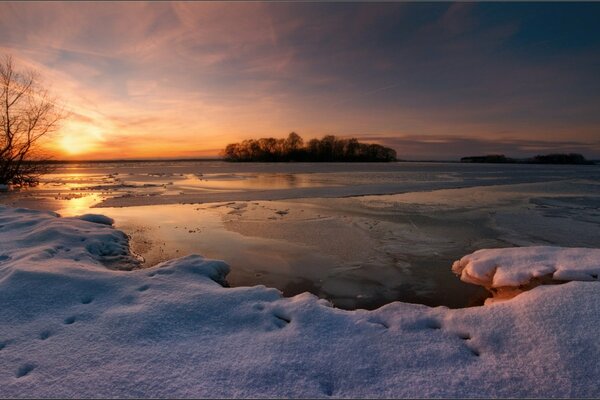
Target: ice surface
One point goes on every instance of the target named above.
(168, 182)
(73, 328)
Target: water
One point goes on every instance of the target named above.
(360, 235)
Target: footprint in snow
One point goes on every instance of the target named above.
(467, 338)
(24, 370)
(45, 334)
(281, 320)
(432, 323)
(378, 322)
(327, 388)
(474, 351)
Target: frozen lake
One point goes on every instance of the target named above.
(361, 235)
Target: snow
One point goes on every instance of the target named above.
(31, 237)
(73, 328)
(497, 268)
(97, 218)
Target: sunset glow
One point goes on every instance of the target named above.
(299, 199)
(79, 138)
(183, 79)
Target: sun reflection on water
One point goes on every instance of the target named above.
(78, 204)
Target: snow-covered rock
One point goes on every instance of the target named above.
(495, 268)
(69, 327)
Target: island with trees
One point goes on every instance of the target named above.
(328, 149)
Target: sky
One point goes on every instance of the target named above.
(431, 80)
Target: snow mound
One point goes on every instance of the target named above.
(31, 237)
(73, 328)
(97, 218)
(495, 268)
(215, 270)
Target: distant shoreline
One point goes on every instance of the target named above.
(127, 160)
(547, 159)
(110, 161)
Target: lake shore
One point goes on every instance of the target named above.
(76, 328)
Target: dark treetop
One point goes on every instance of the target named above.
(329, 148)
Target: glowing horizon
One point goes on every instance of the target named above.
(443, 80)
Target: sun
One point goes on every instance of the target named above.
(79, 138)
(72, 144)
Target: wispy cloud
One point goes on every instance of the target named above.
(143, 77)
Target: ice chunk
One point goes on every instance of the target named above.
(496, 268)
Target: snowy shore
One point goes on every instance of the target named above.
(74, 324)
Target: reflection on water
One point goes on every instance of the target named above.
(74, 180)
(78, 204)
(350, 260)
(255, 181)
(359, 251)
(72, 183)
(145, 183)
(240, 182)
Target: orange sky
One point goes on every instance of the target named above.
(175, 79)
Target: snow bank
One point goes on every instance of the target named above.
(73, 328)
(29, 238)
(496, 268)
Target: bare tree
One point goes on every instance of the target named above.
(27, 114)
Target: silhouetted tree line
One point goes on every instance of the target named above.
(571, 158)
(293, 148)
(556, 158)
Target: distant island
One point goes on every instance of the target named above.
(557, 158)
(328, 149)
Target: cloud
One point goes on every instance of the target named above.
(152, 75)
